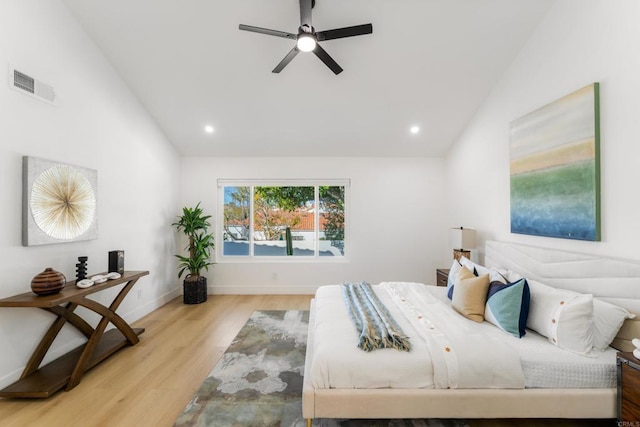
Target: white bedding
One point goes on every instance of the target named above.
(338, 363)
(548, 366)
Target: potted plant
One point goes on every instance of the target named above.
(194, 224)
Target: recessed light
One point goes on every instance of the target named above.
(414, 129)
(209, 129)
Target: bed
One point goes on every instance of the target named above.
(609, 280)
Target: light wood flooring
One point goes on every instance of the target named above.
(150, 384)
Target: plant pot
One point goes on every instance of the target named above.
(194, 291)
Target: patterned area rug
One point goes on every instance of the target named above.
(258, 381)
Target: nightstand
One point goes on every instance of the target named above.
(442, 275)
(628, 387)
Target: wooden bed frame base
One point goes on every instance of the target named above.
(450, 403)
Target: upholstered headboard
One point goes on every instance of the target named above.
(613, 280)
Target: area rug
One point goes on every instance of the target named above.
(258, 381)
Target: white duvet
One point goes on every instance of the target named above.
(449, 351)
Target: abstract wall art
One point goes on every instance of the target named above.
(555, 168)
(59, 202)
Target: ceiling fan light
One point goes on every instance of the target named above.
(306, 42)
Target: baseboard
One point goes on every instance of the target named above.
(152, 305)
(261, 290)
(52, 354)
(63, 349)
(10, 378)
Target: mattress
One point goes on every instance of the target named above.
(345, 366)
(547, 366)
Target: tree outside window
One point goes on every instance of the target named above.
(294, 220)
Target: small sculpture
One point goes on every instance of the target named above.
(84, 283)
(81, 268)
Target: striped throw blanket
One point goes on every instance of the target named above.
(374, 323)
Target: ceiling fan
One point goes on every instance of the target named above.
(307, 38)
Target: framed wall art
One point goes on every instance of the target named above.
(59, 202)
(555, 168)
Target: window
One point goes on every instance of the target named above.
(295, 220)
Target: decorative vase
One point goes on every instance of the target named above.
(48, 282)
(194, 291)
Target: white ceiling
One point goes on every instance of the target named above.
(429, 63)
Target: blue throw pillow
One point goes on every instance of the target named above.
(508, 306)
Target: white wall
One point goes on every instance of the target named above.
(579, 42)
(95, 123)
(388, 197)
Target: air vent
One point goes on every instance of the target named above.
(24, 82)
(31, 86)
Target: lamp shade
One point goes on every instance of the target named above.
(462, 238)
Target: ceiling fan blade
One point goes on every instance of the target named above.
(292, 54)
(328, 61)
(267, 31)
(305, 13)
(338, 33)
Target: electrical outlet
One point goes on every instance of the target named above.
(139, 293)
(274, 276)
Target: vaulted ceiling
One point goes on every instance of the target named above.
(428, 63)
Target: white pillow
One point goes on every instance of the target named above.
(564, 317)
(607, 321)
(453, 275)
(494, 274)
(466, 262)
(453, 272)
(512, 276)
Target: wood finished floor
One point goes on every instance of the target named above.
(150, 384)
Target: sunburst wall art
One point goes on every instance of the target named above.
(59, 202)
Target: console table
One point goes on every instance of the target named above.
(66, 371)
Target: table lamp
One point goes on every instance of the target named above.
(462, 239)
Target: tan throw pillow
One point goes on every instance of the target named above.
(470, 294)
